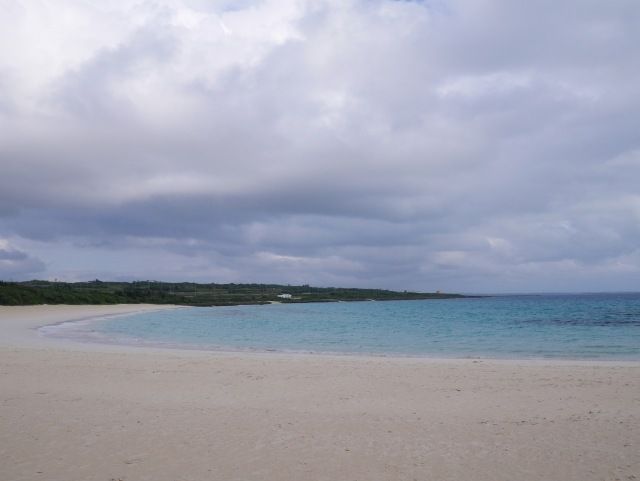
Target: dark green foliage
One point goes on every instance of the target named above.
(187, 293)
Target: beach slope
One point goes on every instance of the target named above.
(92, 412)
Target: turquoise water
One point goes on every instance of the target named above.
(596, 326)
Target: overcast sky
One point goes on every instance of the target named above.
(460, 145)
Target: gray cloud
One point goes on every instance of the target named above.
(467, 146)
(15, 263)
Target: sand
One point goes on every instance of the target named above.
(71, 411)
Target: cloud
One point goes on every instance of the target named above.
(15, 263)
(449, 144)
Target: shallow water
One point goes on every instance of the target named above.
(589, 326)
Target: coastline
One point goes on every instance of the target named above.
(90, 411)
(19, 324)
(28, 323)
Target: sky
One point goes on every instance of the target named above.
(456, 145)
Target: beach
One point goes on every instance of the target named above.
(80, 411)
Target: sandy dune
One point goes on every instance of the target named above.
(91, 412)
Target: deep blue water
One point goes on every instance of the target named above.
(588, 326)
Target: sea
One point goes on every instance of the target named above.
(558, 326)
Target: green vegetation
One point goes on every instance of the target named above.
(188, 293)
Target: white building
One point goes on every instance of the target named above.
(284, 296)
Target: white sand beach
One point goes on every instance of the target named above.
(72, 411)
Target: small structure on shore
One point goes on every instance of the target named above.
(284, 296)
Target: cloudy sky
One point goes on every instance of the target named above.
(461, 145)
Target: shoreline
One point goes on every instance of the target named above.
(20, 325)
(99, 412)
(90, 313)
